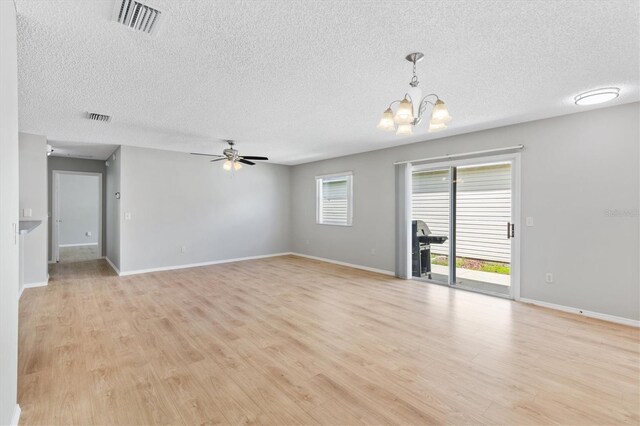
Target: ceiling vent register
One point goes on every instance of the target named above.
(137, 16)
(98, 117)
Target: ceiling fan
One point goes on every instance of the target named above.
(233, 159)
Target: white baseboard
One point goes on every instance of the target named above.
(590, 314)
(195, 265)
(116, 270)
(351, 265)
(78, 245)
(33, 285)
(16, 415)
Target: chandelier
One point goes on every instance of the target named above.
(412, 107)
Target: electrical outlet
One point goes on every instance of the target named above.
(127, 216)
(88, 233)
(183, 249)
(529, 221)
(548, 277)
(27, 212)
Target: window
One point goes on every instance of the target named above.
(334, 199)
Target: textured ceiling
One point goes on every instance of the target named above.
(305, 80)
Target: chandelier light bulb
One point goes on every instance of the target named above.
(227, 165)
(386, 122)
(404, 130)
(440, 114)
(434, 127)
(404, 115)
(236, 165)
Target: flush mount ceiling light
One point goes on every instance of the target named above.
(597, 96)
(412, 107)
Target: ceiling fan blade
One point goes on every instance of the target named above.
(218, 159)
(253, 157)
(208, 155)
(242, 160)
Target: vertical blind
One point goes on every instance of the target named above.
(334, 200)
(483, 209)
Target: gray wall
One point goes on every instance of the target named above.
(78, 165)
(33, 195)
(79, 209)
(178, 200)
(576, 169)
(8, 212)
(112, 205)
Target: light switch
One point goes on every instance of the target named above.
(529, 221)
(26, 212)
(127, 216)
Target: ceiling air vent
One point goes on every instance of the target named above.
(98, 117)
(137, 16)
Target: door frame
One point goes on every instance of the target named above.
(515, 160)
(55, 210)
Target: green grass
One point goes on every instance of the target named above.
(474, 264)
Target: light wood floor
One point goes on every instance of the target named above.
(77, 253)
(295, 341)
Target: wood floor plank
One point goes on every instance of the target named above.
(289, 340)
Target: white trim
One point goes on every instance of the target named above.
(463, 154)
(516, 242)
(590, 314)
(330, 175)
(15, 419)
(116, 270)
(348, 177)
(33, 285)
(350, 265)
(55, 210)
(195, 265)
(77, 245)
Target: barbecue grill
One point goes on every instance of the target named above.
(421, 240)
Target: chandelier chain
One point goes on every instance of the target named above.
(414, 80)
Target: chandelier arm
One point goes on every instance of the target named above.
(394, 102)
(424, 102)
(423, 106)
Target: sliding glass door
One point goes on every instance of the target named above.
(467, 209)
(430, 203)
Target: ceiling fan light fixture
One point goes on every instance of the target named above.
(386, 122)
(232, 158)
(440, 114)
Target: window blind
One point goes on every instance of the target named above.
(334, 200)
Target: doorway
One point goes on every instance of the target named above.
(76, 216)
(466, 213)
